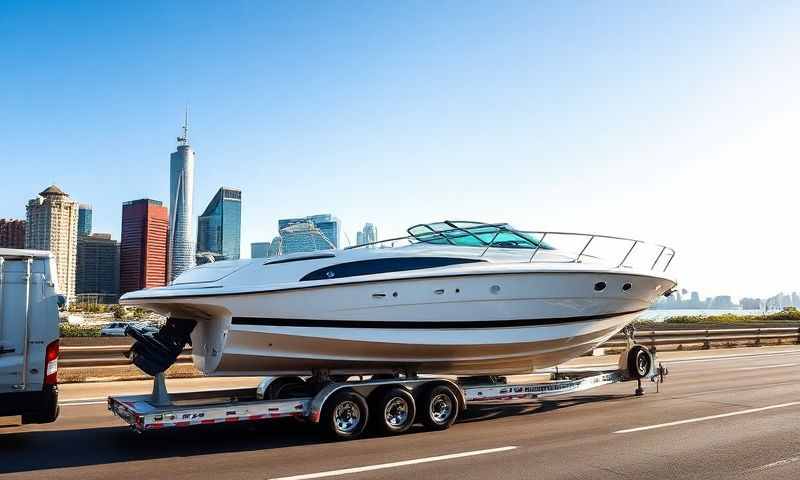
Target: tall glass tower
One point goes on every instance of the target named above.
(219, 227)
(181, 191)
(84, 220)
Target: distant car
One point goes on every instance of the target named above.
(117, 329)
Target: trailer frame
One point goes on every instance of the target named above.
(161, 410)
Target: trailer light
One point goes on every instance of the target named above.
(51, 363)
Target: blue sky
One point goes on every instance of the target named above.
(670, 122)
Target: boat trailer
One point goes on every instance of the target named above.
(344, 408)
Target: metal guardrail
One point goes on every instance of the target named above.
(113, 355)
(707, 337)
(103, 356)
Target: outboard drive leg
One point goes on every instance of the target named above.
(155, 352)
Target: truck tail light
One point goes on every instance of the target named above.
(51, 364)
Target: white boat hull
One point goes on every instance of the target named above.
(462, 325)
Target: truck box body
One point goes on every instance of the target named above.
(28, 335)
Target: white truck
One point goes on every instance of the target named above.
(28, 335)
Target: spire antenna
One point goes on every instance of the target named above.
(184, 140)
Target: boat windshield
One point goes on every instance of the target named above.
(475, 234)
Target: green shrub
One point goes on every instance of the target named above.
(787, 314)
(69, 330)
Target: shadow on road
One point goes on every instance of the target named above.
(488, 411)
(40, 450)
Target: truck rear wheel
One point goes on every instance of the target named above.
(344, 415)
(48, 410)
(394, 411)
(439, 408)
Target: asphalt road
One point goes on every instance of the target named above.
(734, 417)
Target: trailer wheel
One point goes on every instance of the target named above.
(345, 415)
(394, 411)
(639, 362)
(440, 408)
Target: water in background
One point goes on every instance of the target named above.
(661, 314)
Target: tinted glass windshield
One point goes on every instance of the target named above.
(473, 234)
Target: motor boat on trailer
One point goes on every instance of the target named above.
(453, 297)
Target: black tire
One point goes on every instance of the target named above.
(439, 408)
(48, 410)
(639, 362)
(345, 415)
(393, 411)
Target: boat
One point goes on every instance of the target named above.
(452, 297)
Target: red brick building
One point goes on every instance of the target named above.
(12, 233)
(143, 245)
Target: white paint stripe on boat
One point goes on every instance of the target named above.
(779, 463)
(781, 365)
(369, 468)
(710, 417)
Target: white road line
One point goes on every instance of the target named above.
(71, 403)
(369, 468)
(711, 417)
(769, 366)
(785, 461)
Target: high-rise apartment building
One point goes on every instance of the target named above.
(12, 233)
(219, 227)
(259, 250)
(143, 245)
(326, 223)
(97, 271)
(53, 225)
(181, 191)
(84, 220)
(303, 237)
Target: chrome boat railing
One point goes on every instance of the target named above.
(665, 254)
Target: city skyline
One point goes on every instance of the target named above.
(665, 124)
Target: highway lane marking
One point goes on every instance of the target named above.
(782, 365)
(72, 403)
(369, 468)
(710, 417)
(779, 463)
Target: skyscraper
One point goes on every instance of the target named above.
(97, 271)
(84, 220)
(53, 225)
(303, 237)
(143, 245)
(219, 227)
(181, 190)
(276, 247)
(259, 250)
(12, 233)
(326, 223)
(368, 234)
